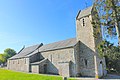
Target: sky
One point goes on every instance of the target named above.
(30, 22)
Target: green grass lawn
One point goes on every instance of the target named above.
(12, 75)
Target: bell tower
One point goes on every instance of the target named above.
(84, 29)
(89, 58)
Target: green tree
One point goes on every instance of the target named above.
(2, 58)
(9, 52)
(109, 14)
(111, 54)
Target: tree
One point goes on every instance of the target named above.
(2, 58)
(109, 13)
(9, 52)
(111, 54)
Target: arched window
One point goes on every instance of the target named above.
(100, 62)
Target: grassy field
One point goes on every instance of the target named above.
(12, 75)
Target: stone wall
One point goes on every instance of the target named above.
(21, 64)
(85, 33)
(77, 59)
(35, 69)
(87, 66)
(58, 58)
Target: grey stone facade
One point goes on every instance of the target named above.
(70, 58)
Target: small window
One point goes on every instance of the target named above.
(86, 62)
(13, 62)
(100, 62)
(82, 51)
(83, 22)
(25, 60)
(18, 61)
(51, 57)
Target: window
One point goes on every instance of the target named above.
(25, 60)
(85, 62)
(82, 62)
(82, 51)
(13, 62)
(51, 57)
(18, 61)
(83, 22)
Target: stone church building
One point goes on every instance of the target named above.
(73, 57)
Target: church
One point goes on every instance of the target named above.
(74, 57)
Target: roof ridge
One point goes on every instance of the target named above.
(35, 49)
(31, 46)
(87, 8)
(26, 51)
(58, 45)
(59, 41)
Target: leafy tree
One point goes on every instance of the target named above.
(9, 52)
(109, 14)
(111, 54)
(108, 17)
(2, 58)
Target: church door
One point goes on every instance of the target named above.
(45, 68)
(101, 69)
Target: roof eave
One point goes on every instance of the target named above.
(18, 58)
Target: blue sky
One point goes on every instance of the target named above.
(29, 22)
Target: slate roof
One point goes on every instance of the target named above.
(26, 51)
(58, 45)
(37, 63)
(84, 12)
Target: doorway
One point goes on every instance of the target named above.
(45, 68)
(101, 68)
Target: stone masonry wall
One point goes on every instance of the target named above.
(58, 57)
(21, 64)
